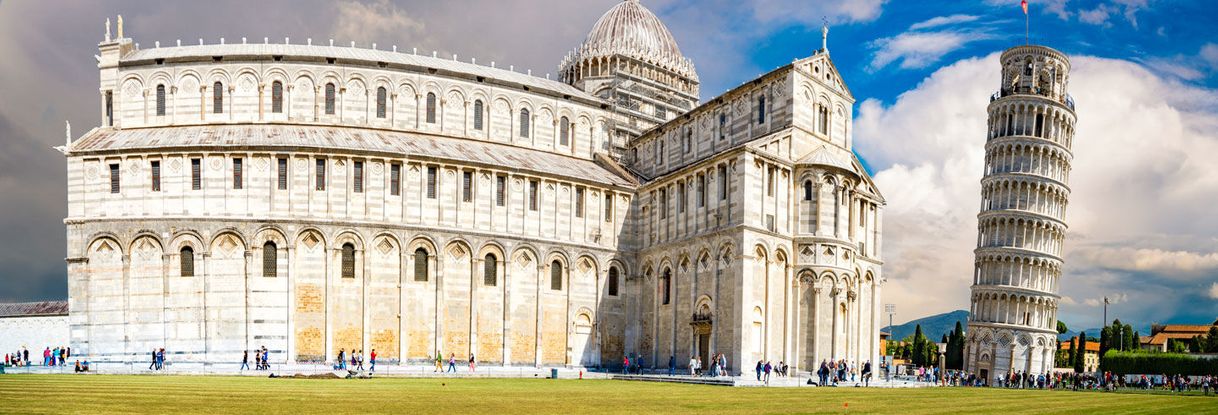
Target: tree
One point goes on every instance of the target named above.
(1115, 335)
(1061, 328)
(1137, 341)
(919, 347)
(1105, 339)
(1070, 355)
(1211, 343)
(1079, 355)
(1130, 341)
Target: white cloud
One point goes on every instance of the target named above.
(1141, 224)
(1214, 291)
(810, 12)
(1096, 16)
(919, 49)
(365, 23)
(1113, 299)
(1209, 54)
(943, 21)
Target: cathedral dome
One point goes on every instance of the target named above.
(631, 30)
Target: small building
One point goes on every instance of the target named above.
(1160, 334)
(1091, 360)
(33, 326)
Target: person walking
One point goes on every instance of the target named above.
(152, 364)
(768, 368)
(245, 360)
(471, 363)
(723, 365)
(692, 365)
(452, 363)
(439, 363)
(160, 360)
(360, 359)
(760, 367)
(372, 361)
(672, 365)
(625, 364)
(866, 373)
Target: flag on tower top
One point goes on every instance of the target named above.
(1024, 4)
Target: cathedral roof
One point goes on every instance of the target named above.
(42, 308)
(415, 146)
(631, 30)
(823, 156)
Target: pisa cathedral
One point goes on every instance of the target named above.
(1021, 227)
(316, 197)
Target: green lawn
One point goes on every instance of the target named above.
(64, 394)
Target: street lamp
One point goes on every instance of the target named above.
(890, 309)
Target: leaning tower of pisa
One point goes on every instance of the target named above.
(1013, 317)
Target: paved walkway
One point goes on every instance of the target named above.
(428, 371)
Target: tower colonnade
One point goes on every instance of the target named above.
(1021, 227)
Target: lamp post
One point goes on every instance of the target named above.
(890, 309)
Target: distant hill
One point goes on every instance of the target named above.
(933, 327)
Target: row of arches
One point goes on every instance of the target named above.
(1030, 158)
(1042, 235)
(1045, 121)
(1015, 309)
(188, 96)
(1017, 193)
(347, 288)
(1017, 271)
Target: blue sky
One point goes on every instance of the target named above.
(1142, 228)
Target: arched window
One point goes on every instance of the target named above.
(270, 260)
(160, 100)
(556, 275)
(420, 264)
(348, 260)
(808, 190)
(689, 139)
(188, 261)
(524, 123)
(330, 98)
(666, 286)
(490, 270)
(478, 115)
(613, 281)
(564, 131)
(823, 119)
(722, 126)
(382, 98)
(277, 97)
(217, 98)
(761, 109)
(431, 108)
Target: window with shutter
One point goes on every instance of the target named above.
(524, 122)
(114, 178)
(277, 97)
(187, 262)
(238, 181)
(533, 194)
(431, 108)
(467, 186)
(283, 173)
(395, 179)
(358, 182)
(156, 176)
(420, 264)
(500, 190)
(270, 260)
(330, 92)
(382, 98)
(196, 174)
(478, 115)
(348, 260)
(321, 175)
(431, 182)
(160, 100)
(217, 98)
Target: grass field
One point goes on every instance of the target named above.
(66, 394)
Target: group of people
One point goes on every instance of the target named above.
(1104, 381)
(833, 372)
(353, 360)
(765, 368)
(718, 365)
(262, 359)
(452, 363)
(158, 359)
(57, 356)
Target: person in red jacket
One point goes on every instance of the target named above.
(372, 361)
(625, 364)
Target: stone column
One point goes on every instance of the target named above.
(288, 314)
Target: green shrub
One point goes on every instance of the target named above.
(1122, 363)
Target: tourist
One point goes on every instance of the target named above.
(698, 366)
(245, 360)
(452, 363)
(360, 359)
(439, 362)
(723, 364)
(78, 366)
(160, 360)
(866, 373)
(372, 361)
(625, 364)
(768, 367)
(471, 363)
(342, 359)
(354, 362)
(152, 362)
(692, 365)
(672, 365)
(760, 367)
(46, 357)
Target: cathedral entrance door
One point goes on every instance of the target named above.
(704, 350)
